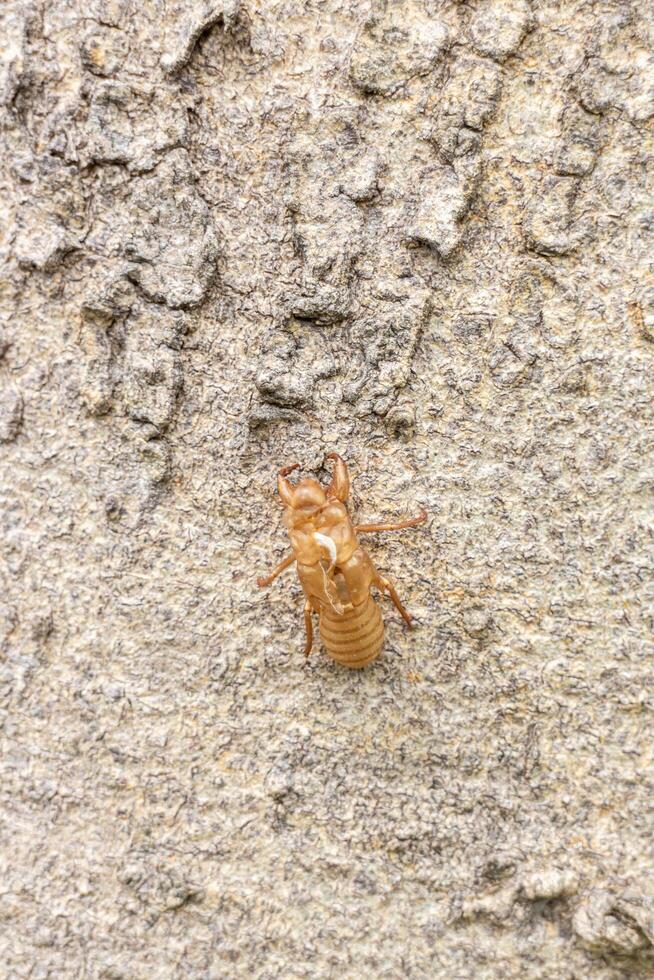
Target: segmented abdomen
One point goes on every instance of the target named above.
(356, 637)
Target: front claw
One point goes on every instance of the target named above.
(339, 486)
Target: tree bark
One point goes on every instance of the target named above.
(239, 235)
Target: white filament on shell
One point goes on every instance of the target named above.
(327, 543)
(330, 592)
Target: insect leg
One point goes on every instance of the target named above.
(285, 470)
(411, 522)
(265, 580)
(309, 628)
(284, 488)
(339, 486)
(387, 586)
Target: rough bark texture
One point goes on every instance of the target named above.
(240, 234)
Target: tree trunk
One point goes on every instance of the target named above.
(239, 235)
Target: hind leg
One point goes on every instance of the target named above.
(385, 585)
(308, 623)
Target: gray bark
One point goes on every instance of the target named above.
(238, 235)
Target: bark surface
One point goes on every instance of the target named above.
(240, 234)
